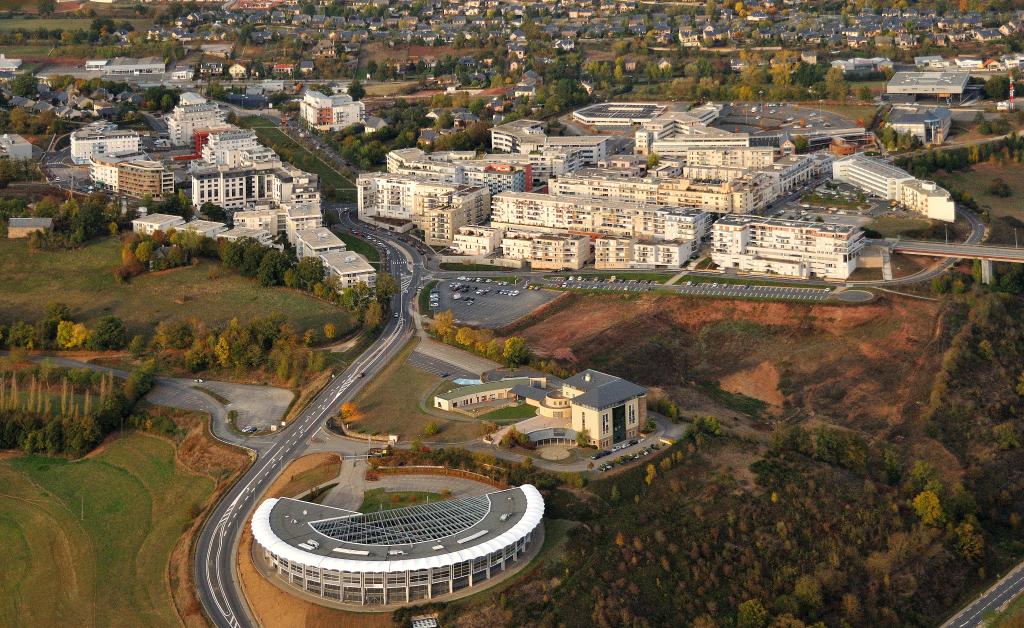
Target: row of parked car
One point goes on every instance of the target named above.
(625, 458)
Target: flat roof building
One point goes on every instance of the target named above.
(793, 248)
(316, 241)
(618, 113)
(947, 85)
(929, 125)
(157, 222)
(396, 556)
(14, 147)
(894, 184)
(330, 113)
(102, 139)
(24, 227)
(525, 136)
(193, 113)
(349, 269)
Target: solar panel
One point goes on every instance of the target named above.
(413, 524)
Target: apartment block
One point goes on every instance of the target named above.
(476, 241)
(786, 247)
(349, 269)
(527, 211)
(193, 113)
(132, 175)
(237, 187)
(547, 251)
(461, 167)
(674, 133)
(316, 241)
(621, 253)
(437, 209)
(330, 113)
(102, 139)
(151, 223)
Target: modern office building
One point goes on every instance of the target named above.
(891, 183)
(193, 113)
(132, 175)
(618, 113)
(793, 248)
(674, 133)
(929, 125)
(102, 139)
(909, 86)
(527, 136)
(396, 556)
(330, 113)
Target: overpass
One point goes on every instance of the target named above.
(985, 252)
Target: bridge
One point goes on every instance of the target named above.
(985, 252)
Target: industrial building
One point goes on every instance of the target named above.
(909, 86)
(396, 556)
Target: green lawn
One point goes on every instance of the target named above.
(509, 414)
(361, 246)
(470, 267)
(977, 180)
(377, 499)
(332, 182)
(88, 542)
(82, 279)
(892, 226)
(824, 200)
(390, 404)
(66, 24)
(627, 275)
(424, 297)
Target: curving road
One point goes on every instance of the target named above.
(216, 548)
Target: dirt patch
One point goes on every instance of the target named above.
(760, 382)
(273, 607)
(853, 366)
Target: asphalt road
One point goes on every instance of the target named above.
(1002, 592)
(217, 545)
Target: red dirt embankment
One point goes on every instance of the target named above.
(854, 365)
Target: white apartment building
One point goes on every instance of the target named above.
(621, 253)
(205, 228)
(891, 183)
(241, 186)
(330, 113)
(316, 241)
(147, 225)
(277, 219)
(734, 156)
(239, 233)
(102, 139)
(674, 133)
(786, 247)
(476, 241)
(193, 113)
(547, 251)
(349, 269)
(461, 167)
(527, 211)
(231, 146)
(526, 136)
(437, 209)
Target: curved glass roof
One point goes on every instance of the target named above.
(402, 526)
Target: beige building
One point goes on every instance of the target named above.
(349, 269)
(157, 222)
(316, 241)
(24, 227)
(786, 247)
(132, 175)
(527, 136)
(476, 241)
(547, 251)
(330, 113)
(622, 253)
(886, 181)
(927, 198)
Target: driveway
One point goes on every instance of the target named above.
(259, 406)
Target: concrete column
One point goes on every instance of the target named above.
(987, 276)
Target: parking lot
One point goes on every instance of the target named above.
(770, 118)
(487, 302)
(698, 288)
(624, 453)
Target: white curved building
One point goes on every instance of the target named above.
(397, 556)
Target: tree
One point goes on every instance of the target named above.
(836, 87)
(999, 188)
(969, 542)
(928, 508)
(374, 316)
(24, 85)
(47, 7)
(386, 287)
(808, 591)
(137, 346)
(431, 428)
(652, 160)
(309, 272)
(751, 614)
(110, 333)
(464, 336)
(444, 327)
(348, 410)
(515, 351)
(583, 438)
(330, 331)
(356, 90)
(272, 268)
(71, 335)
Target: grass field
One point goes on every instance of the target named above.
(853, 113)
(361, 246)
(423, 298)
(331, 180)
(509, 414)
(73, 530)
(892, 226)
(377, 499)
(305, 480)
(66, 24)
(82, 279)
(655, 277)
(390, 404)
(471, 267)
(977, 180)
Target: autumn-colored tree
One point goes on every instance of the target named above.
(71, 335)
(751, 614)
(928, 508)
